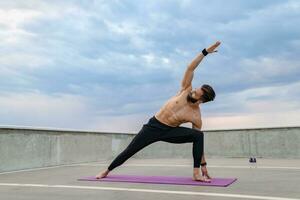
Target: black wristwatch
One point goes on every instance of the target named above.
(203, 164)
(204, 52)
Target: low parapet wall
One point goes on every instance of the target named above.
(23, 148)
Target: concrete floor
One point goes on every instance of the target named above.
(268, 179)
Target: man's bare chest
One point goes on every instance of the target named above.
(181, 108)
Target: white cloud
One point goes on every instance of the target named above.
(149, 58)
(120, 124)
(14, 18)
(270, 99)
(271, 106)
(166, 60)
(24, 61)
(279, 119)
(264, 67)
(37, 109)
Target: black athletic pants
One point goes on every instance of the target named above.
(155, 131)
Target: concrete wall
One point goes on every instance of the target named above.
(263, 142)
(22, 148)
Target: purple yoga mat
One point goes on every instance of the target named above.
(176, 180)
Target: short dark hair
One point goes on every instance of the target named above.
(208, 93)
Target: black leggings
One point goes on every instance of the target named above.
(155, 131)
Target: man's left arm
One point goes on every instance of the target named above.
(198, 126)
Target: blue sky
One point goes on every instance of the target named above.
(110, 65)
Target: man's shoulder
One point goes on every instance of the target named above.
(186, 90)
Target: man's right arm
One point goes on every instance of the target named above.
(189, 73)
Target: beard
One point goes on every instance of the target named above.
(190, 98)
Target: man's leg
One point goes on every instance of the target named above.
(188, 135)
(141, 140)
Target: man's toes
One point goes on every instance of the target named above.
(99, 176)
(202, 179)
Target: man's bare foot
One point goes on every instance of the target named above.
(197, 177)
(102, 174)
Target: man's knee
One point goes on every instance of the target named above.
(199, 135)
(198, 131)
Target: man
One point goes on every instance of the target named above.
(164, 125)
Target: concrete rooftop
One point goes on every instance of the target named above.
(272, 179)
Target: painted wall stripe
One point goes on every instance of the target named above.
(148, 191)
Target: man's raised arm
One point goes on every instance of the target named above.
(189, 73)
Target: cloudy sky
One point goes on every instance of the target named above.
(110, 65)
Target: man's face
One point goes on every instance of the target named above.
(197, 93)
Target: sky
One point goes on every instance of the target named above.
(110, 65)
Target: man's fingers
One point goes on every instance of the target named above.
(212, 48)
(218, 43)
(208, 176)
(205, 174)
(215, 51)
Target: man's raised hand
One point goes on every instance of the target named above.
(212, 48)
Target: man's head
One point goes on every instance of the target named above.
(204, 94)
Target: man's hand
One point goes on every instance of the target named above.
(205, 172)
(212, 48)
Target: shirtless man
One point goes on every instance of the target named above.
(164, 125)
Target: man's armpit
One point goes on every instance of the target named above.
(188, 89)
